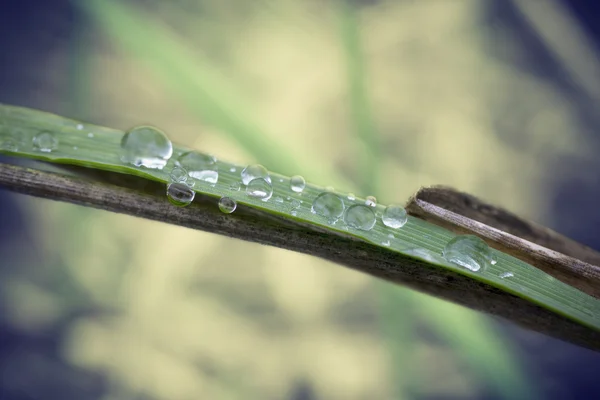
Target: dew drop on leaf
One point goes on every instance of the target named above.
(202, 167)
(145, 146)
(260, 188)
(371, 201)
(468, 251)
(506, 275)
(328, 205)
(180, 194)
(360, 217)
(45, 141)
(227, 205)
(297, 183)
(254, 171)
(394, 216)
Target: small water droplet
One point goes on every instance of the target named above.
(235, 186)
(468, 251)
(202, 167)
(297, 183)
(394, 216)
(328, 205)
(45, 141)
(146, 146)
(180, 194)
(391, 236)
(280, 180)
(506, 275)
(178, 174)
(351, 196)
(75, 148)
(295, 203)
(9, 144)
(279, 199)
(227, 205)
(254, 171)
(371, 201)
(294, 213)
(360, 217)
(79, 127)
(386, 243)
(425, 254)
(90, 135)
(260, 188)
(232, 169)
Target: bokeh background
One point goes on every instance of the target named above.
(495, 97)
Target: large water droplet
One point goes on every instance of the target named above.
(180, 194)
(145, 146)
(260, 188)
(468, 251)
(45, 141)
(371, 201)
(227, 205)
(360, 217)
(254, 171)
(297, 183)
(328, 205)
(394, 216)
(199, 166)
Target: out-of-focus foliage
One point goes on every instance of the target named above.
(187, 315)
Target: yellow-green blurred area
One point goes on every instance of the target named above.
(372, 97)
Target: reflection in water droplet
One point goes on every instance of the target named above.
(254, 171)
(371, 201)
(180, 194)
(260, 188)
(351, 196)
(146, 146)
(178, 174)
(468, 251)
(394, 216)
(227, 205)
(506, 275)
(45, 141)
(297, 183)
(360, 217)
(328, 205)
(202, 167)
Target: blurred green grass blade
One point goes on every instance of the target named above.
(201, 87)
(360, 106)
(478, 344)
(101, 150)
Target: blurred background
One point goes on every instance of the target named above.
(495, 97)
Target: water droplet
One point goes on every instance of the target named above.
(45, 142)
(391, 236)
(9, 144)
(294, 213)
(329, 189)
(146, 146)
(75, 148)
(468, 251)
(295, 203)
(180, 194)
(506, 275)
(279, 199)
(351, 196)
(254, 171)
(328, 205)
(202, 167)
(227, 205)
(425, 254)
(235, 186)
(297, 183)
(178, 174)
(371, 201)
(79, 127)
(386, 243)
(260, 188)
(232, 169)
(360, 217)
(280, 180)
(394, 216)
(90, 135)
